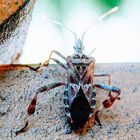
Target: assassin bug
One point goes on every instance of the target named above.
(79, 88)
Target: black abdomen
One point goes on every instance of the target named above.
(80, 110)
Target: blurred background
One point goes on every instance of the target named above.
(116, 38)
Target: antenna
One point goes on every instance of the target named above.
(113, 10)
(61, 25)
(92, 52)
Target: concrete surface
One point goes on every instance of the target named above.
(19, 84)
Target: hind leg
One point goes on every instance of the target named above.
(104, 75)
(108, 102)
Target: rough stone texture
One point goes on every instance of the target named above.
(13, 33)
(8, 7)
(19, 84)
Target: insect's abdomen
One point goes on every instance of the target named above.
(80, 110)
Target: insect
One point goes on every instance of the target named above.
(79, 88)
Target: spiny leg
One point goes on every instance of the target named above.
(108, 102)
(32, 105)
(104, 75)
(56, 52)
(58, 62)
(110, 88)
(17, 66)
(46, 63)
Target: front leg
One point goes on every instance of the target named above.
(46, 63)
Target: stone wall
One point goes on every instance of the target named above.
(13, 31)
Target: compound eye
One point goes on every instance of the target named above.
(77, 56)
(84, 56)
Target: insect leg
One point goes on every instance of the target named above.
(59, 63)
(55, 60)
(56, 52)
(104, 75)
(16, 66)
(108, 102)
(46, 63)
(32, 105)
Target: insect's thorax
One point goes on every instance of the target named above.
(83, 67)
(80, 75)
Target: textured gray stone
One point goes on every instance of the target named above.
(19, 84)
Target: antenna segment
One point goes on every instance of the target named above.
(113, 10)
(61, 25)
(64, 26)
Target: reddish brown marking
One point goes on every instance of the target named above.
(108, 103)
(88, 91)
(17, 56)
(72, 80)
(14, 66)
(89, 124)
(55, 85)
(31, 108)
(90, 79)
(110, 94)
(22, 129)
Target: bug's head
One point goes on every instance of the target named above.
(78, 46)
